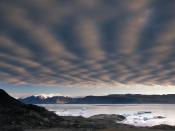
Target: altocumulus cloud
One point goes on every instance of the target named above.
(87, 42)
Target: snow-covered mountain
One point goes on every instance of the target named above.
(45, 96)
(46, 99)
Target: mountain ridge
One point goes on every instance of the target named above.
(106, 99)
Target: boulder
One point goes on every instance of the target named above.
(109, 117)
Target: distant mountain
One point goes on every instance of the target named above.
(108, 99)
(127, 99)
(43, 99)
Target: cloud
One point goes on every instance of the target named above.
(87, 43)
(138, 15)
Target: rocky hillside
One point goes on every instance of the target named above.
(14, 113)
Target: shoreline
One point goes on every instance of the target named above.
(140, 116)
(101, 124)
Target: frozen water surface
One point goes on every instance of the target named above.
(136, 114)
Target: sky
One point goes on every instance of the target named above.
(87, 47)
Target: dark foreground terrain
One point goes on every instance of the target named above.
(16, 116)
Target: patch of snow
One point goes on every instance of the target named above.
(44, 96)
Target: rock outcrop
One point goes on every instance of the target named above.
(109, 117)
(14, 113)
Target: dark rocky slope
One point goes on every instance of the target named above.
(14, 113)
